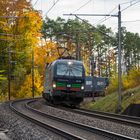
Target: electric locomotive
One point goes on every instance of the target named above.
(64, 82)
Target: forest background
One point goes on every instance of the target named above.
(28, 42)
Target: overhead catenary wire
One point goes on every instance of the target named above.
(93, 27)
(138, 20)
(35, 3)
(106, 18)
(51, 7)
(115, 28)
(132, 2)
(82, 6)
(127, 2)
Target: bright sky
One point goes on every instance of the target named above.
(61, 7)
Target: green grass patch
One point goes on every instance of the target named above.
(109, 102)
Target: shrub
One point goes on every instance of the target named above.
(131, 80)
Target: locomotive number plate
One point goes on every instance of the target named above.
(68, 85)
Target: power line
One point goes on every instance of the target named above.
(82, 6)
(93, 27)
(104, 18)
(51, 7)
(102, 32)
(131, 21)
(35, 3)
(131, 4)
(127, 2)
(114, 29)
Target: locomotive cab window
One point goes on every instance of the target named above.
(69, 69)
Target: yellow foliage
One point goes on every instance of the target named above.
(128, 81)
(132, 80)
(29, 26)
(26, 88)
(86, 59)
(38, 83)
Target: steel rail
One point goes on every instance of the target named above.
(44, 125)
(123, 119)
(95, 130)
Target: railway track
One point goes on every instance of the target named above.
(122, 119)
(129, 120)
(80, 131)
(20, 105)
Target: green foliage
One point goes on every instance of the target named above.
(3, 90)
(2, 77)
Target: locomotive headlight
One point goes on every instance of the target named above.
(69, 63)
(82, 87)
(54, 85)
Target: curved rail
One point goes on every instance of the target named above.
(95, 130)
(123, 119)
(44, 125)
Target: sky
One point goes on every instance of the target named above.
(132, 13)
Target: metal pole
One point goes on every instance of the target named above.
(9, 72)
(119, 62)
(92, 66)
(78, 57)
(33, 72)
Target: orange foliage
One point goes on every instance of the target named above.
(45, 54)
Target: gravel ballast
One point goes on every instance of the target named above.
(99, 123)
(22, 129)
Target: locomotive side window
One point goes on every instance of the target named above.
(69, 70)
(88, 82)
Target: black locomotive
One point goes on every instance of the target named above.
(64, 82)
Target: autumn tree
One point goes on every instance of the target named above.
(21, 33)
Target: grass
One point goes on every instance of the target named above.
(109, 102)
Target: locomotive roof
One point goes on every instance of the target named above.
(66, 60)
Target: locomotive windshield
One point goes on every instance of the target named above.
(69, 69)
